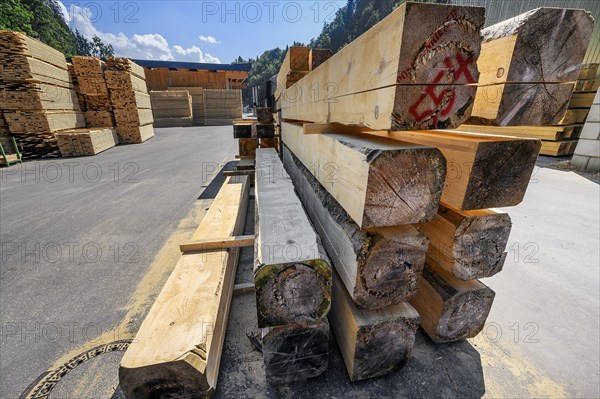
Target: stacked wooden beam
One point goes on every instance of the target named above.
(197, 93)
(37, 95)
(171, 108)
(527, 73)
(292, 278)
(404, 213)
(221, 107)
(86, 141)
(91, 84)
(177, 350)
(130, 100)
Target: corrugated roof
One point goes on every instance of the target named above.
(193, 65)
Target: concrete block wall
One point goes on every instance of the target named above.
(587, 153)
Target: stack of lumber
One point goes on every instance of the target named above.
(130, 100)
(197, 94)
(177, 350)
(171, 108)
(298, 62)
(92, 89)
(242, 131)
(256, 133)
(37, 95)
(221, 107)
(86, 141)
(528, 74)
(292, 278)
(406, 215)
(560, 139)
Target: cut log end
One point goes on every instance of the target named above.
(178, 379)
(292, 292)
(296, 352)
(411, 196)
(389, 270)
(383, 348)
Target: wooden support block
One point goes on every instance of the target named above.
(415, 69)
(292, 274)
(372, 342)
(378, 181)
(484, 171)
(469, 244)
(263, 130)
(177, 349)
(242, 130)
(296, 60)
(380, 267)
(264, 115)
(526, 72)
(318, 56)
(558, 148)
(221, 243)
(269, 143)
(247, 147)
(295, 352)
(451, 309)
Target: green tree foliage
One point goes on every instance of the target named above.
(43, 19)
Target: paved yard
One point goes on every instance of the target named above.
(87, 243)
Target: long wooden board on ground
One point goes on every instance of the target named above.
(416, 69)
(484, 171)
(380, 267)
(469, 244)
(527, 73)
(177, 349)
(372, 342)
(451, 309)
(378, 181)
(292, 274)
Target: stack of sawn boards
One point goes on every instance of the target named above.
(37, 94)
(255, 133)
(88, 75)
(171, 108)
(221, 107)
(88, 141)
(197, 94)
(130, 100)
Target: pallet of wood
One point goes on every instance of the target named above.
(171, 108)
(197, 93)
(85, 141)
(130, 100)
(221, 107)
(37, 94)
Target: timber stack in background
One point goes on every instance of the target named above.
(171, 108)
(88, 73)
(37, 94)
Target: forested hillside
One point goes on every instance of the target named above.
(44, 20)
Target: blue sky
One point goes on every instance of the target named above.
(200, 31)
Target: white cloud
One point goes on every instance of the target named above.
(209, 39)
(152, 46)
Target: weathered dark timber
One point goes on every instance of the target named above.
(242, 131)
(263, 130)
(264, 115)
(380, 267)
(247, 147)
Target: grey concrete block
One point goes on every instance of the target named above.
(593, 165)
(591, 148)
(594, 114)
(580, 161)
(591, 131)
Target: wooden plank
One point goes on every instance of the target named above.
(380, 267)
(552, 133)
(378, 181)
(528, 74)
(295, 352)
(178, 346)
(292, 273)
(469, 244)
(220, 243)
(296, 60)
(558, 148)
(413, 70)
(582, 99)
(484, 171)
(451, 309)
(372, 342)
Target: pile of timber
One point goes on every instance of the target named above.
(87, 141)
(221, 107)
(292, 278)
(177, 350)
(37, 94)
(130, 100)
(171, 108)
(406, 215)
(92, 91)
(255, 133)
(297, 63)
(197, 94)
(560, 139)
(527, 74)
